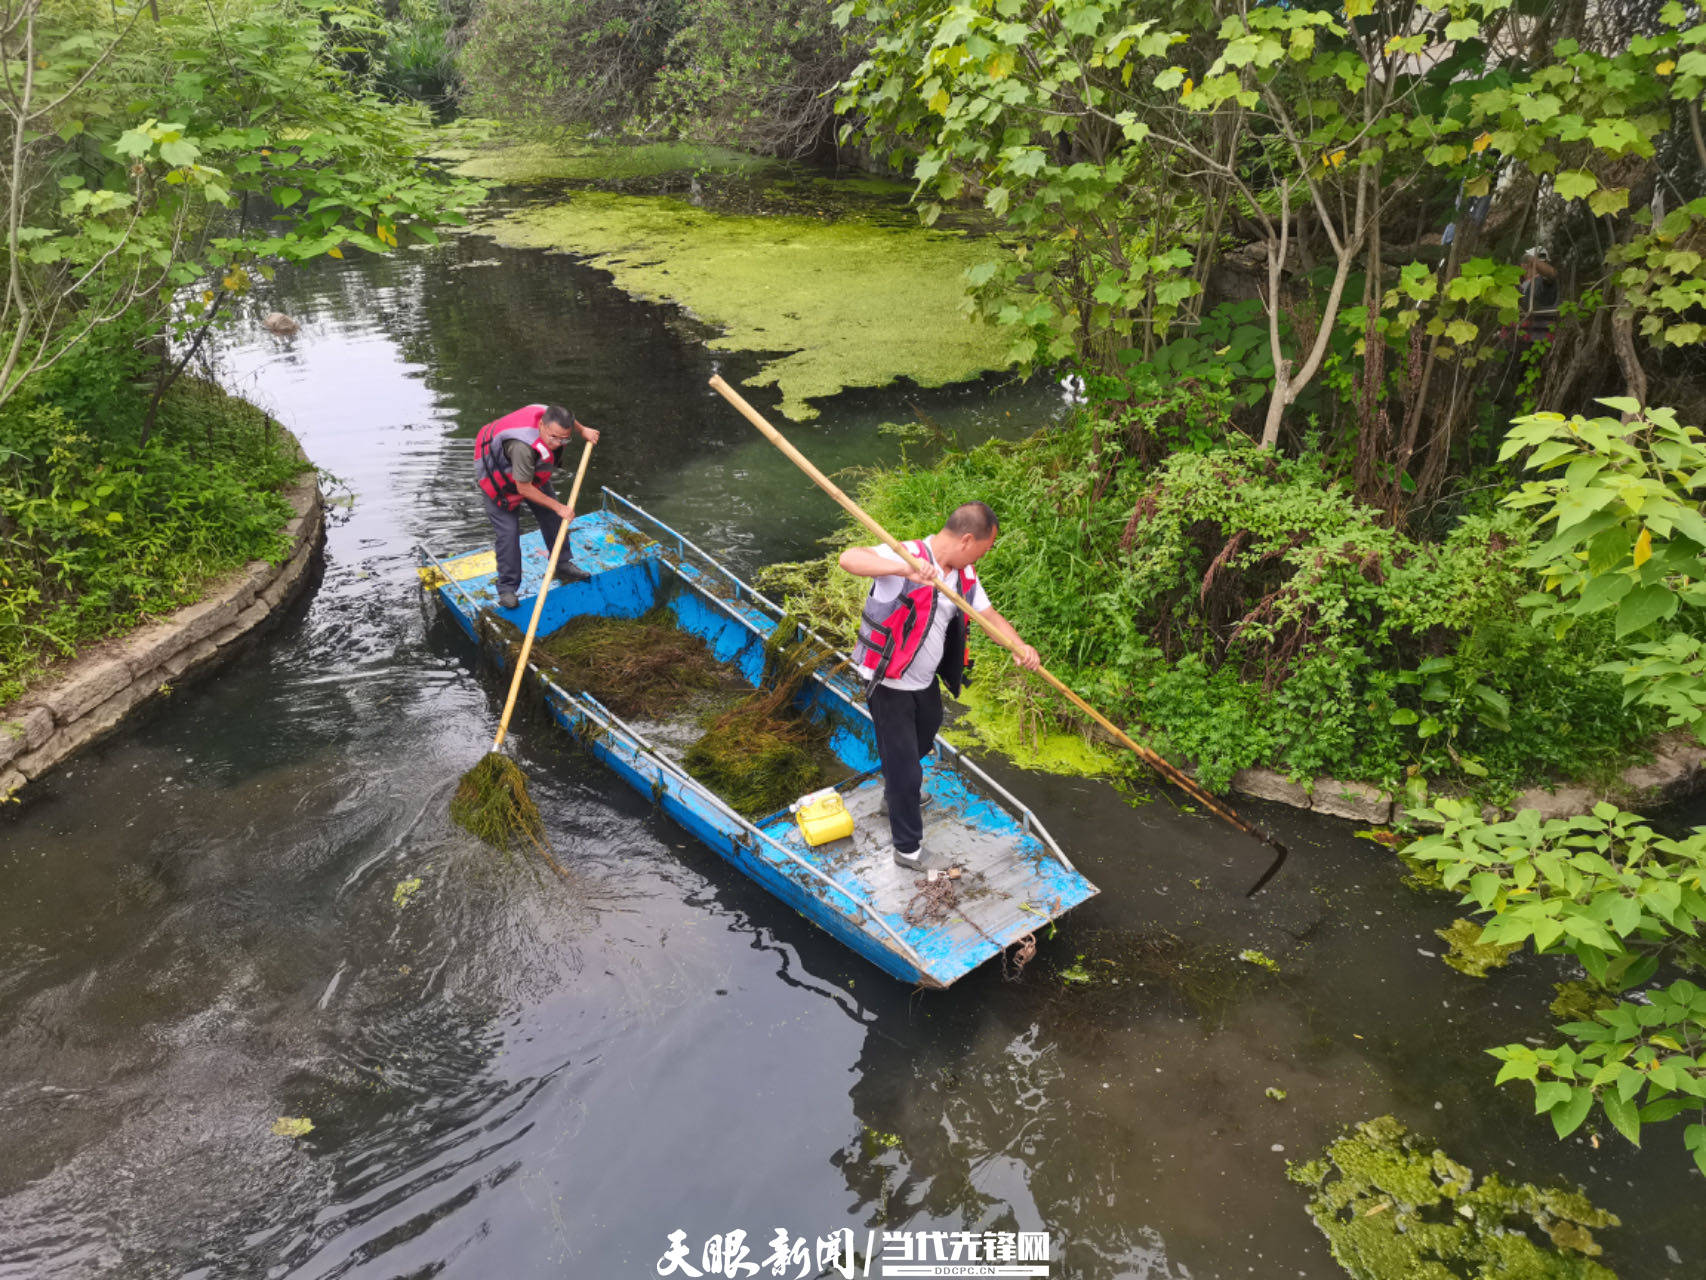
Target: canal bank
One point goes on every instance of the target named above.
(89, 697)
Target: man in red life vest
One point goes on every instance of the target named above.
(513, 461)
(910, 635)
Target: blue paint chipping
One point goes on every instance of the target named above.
(1016, 880)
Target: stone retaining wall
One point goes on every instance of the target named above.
(1678, 769)
(88, 698)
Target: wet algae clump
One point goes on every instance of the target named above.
(1468, 954)
(831, 305)
(760, 754)
(637, 667)
(1391, 1206)
(491, 802)
(757, 761)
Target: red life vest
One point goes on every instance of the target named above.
(891, 634)
(491, 454)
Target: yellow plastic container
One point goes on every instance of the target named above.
(822, 817)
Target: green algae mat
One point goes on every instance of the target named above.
(1391, 1205)
(852, 300)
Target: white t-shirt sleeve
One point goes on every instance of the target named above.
(888, 588)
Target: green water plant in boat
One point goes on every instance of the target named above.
(761, 754)
(635, 666)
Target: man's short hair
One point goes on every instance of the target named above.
(555, 413)
(974, 518)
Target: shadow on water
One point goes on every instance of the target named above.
(208, 924)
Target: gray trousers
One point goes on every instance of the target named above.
(506, 537)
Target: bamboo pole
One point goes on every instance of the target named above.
(539, 601)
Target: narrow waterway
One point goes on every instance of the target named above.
(201, 927)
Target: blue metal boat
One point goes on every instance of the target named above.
(1016, 878)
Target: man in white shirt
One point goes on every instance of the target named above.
(911, 635)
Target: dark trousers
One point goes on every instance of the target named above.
(506, 537)
(906, 721)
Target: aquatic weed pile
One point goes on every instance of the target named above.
(635, 666)
(491, 802)
(760, 754)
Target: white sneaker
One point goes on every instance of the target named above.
(920, 861)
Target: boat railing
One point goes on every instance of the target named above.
(608, 720)
(946, 750)
(683, 544)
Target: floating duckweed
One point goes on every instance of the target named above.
(1262, 961)
(405, 890)
(1390, 1206)
(1076, 973)
(522, 162)
(1006, 714)
(292, 1127)
(491, 802)
(875, 1142)
(831, 305)
(1469, 954)
(1578, 1001)
(1274, 1093)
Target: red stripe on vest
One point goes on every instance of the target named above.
(491, 458)
(888, 644)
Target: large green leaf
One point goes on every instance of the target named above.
(1603, 592)
(1566, 1119)
(1643, 607)
(1625, 1115)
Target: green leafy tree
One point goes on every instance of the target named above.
(202, 148)
(567, 63)
(758, 75)
(1143, 155)
(1624, 902)
(1620, 533)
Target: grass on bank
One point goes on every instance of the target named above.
(1239, 608)
(100, 530)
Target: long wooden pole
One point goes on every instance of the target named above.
(1155, 761)
(539, 601)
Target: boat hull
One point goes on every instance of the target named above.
(1017, 879)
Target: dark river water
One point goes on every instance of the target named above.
(517, 1076)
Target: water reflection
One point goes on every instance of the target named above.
(202, 928)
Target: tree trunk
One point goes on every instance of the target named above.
(1628, 359)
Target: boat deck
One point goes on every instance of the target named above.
(1007, 888)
